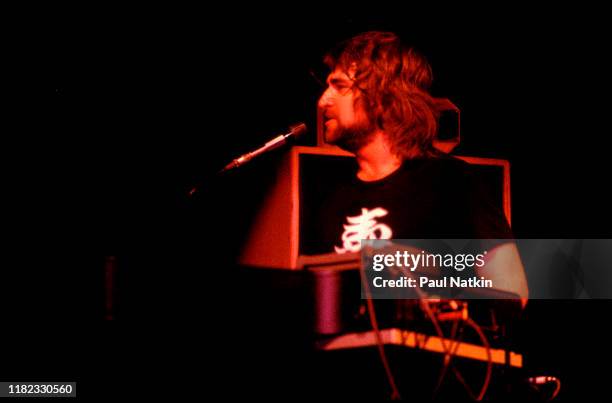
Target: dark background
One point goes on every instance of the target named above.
(148, 102)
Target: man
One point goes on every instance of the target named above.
(377, 106)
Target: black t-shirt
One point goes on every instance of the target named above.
(425, 198)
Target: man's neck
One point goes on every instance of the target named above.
(376, 159)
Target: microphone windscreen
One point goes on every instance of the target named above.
(298, 129)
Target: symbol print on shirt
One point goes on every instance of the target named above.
(363, 226)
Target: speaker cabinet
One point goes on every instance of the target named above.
(276, 237)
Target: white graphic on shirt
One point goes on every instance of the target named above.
(363, 226)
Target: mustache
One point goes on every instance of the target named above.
(327, 116)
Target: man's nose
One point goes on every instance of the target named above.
(325, 99)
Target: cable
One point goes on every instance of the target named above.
(395, 395)
(557, 389)
(448, 357)
(472, 324)
(485, 342)
(447, 349)
(424, 302)
(489, 372)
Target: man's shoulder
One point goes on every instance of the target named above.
(446, 167)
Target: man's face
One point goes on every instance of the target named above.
(344, 118)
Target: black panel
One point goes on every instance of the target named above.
(319, 176)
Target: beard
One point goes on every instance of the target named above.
(352, 138)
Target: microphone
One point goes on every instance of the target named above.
(296, 131)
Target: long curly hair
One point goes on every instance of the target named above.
(394, 81)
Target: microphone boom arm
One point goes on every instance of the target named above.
(296, 130)
(270, 145)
